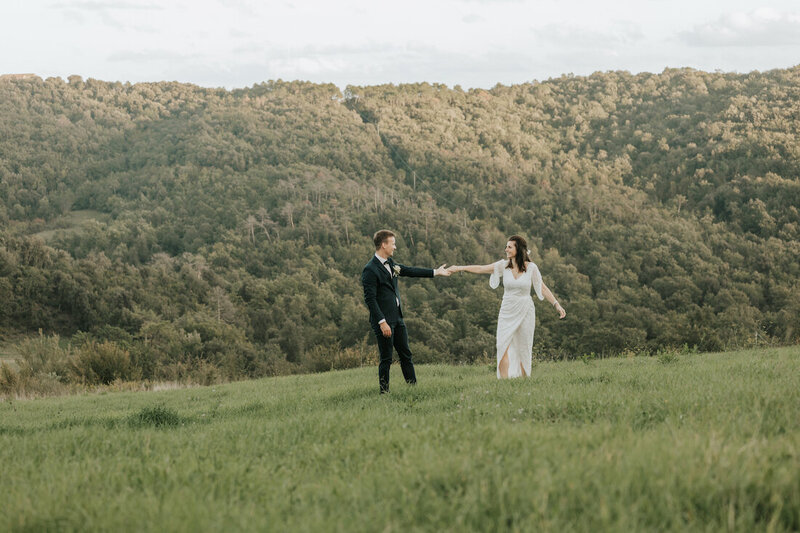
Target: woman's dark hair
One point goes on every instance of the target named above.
(522, 253)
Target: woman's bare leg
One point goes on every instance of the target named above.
(520, 350)
(503, 366)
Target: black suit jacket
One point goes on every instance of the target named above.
(381, 293)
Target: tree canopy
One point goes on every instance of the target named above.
(196, 226)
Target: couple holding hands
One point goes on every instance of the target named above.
(515, 324)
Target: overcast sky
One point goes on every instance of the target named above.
(472, 43)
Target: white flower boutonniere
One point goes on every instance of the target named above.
(396, 269)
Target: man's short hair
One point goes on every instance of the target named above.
(381, 237)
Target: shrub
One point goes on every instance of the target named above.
(317, 359)
(103, 363)
(667, 358)
(157, 416)
(43, 368)
(322, 358)
(42, 384)
(9, 380)
(205, 373)
(43, 355)
(353, 357)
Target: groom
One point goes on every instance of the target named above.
(382, 297)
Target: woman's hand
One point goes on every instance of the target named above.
(454, 268)
(442, 271)
(561, 312)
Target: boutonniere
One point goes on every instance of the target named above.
(396, 270)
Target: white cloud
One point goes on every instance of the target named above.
(762, 27)
(342, 65)
(148, 56)
(566, 36)
(105, 6)
(245, 7)
(116, 15)
(493, 1)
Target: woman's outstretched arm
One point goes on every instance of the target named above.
(475, 269)
(548, 295)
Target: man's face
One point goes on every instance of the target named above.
(388, 247)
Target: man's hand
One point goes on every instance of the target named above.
(386, 330)
(442, 271)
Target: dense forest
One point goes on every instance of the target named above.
(180, 230)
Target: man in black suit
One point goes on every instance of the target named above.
(382, 297)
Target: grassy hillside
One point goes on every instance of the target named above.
(203, 230)
(671, 443)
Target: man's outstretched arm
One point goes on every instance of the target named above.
(417, 272)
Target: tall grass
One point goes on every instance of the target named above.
(706, 442)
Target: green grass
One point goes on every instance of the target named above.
(71, 223)
(707, 442)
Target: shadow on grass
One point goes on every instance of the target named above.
(253, 408)
(66, 423)
(157, 416)
(352, 395)
(152, 416)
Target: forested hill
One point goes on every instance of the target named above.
(206, 228)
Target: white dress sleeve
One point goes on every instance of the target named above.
(536, 280)
(497, 273)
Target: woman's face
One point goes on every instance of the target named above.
(511, 249)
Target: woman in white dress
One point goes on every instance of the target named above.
(517, 318)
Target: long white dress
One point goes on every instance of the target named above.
(517, 319)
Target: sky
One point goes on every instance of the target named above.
(471, 43)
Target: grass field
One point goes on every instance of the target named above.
(72, 223)
(707, 442)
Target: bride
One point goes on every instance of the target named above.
(517, 318)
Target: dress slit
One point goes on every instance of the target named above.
(512, 348)
(508, 363)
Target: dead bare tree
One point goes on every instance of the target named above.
(288, 213)
(250, 225)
